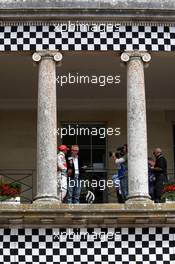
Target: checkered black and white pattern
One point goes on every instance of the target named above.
(88, 245)
(25, 38)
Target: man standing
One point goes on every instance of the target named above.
(121, 163)
(160, 172)
(75, 168)
(62, 172)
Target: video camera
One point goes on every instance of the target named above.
(119, 152)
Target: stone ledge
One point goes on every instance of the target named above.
(85, 215)
(130, 16)
(126, 10)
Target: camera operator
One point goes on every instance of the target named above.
(121, 162)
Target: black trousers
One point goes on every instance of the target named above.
(159, 182)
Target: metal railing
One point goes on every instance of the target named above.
(171, 174)
(105, 194)
(25, 178)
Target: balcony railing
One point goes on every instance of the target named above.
(25, 178)
(103, 194)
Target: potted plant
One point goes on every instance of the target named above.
(9, 191)
(168, 193)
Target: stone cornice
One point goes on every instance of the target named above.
(157, 11)
(103, 215)
(123, 4)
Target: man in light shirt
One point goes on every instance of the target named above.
(75, 169)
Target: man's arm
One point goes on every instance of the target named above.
(82, 168)
(60, 160)
(70, 165)
(161, 165)
(119, 161)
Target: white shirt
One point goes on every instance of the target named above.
(75, 161)
(120, 161)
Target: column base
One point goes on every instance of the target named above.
(139, 202)
(46, 199)
(139, 199)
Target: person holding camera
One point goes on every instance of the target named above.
(121, 161)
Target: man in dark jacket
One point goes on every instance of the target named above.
(160, 172)
(74, 170)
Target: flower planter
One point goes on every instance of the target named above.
(169, 201)
(168, 194)
(10, 200)
(9, 191)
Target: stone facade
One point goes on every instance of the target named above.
(139, 219)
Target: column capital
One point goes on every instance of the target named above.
(43, 54)
(128, 55)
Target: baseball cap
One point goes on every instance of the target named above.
(63, 147)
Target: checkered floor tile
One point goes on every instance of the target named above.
(88, 245)
(24, 37)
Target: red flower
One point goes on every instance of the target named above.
(8, 190)
(169, 188)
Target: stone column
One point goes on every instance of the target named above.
(46, 126)
(136, 126)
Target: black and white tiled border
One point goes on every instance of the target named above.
(128, 37)
(88, 245)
